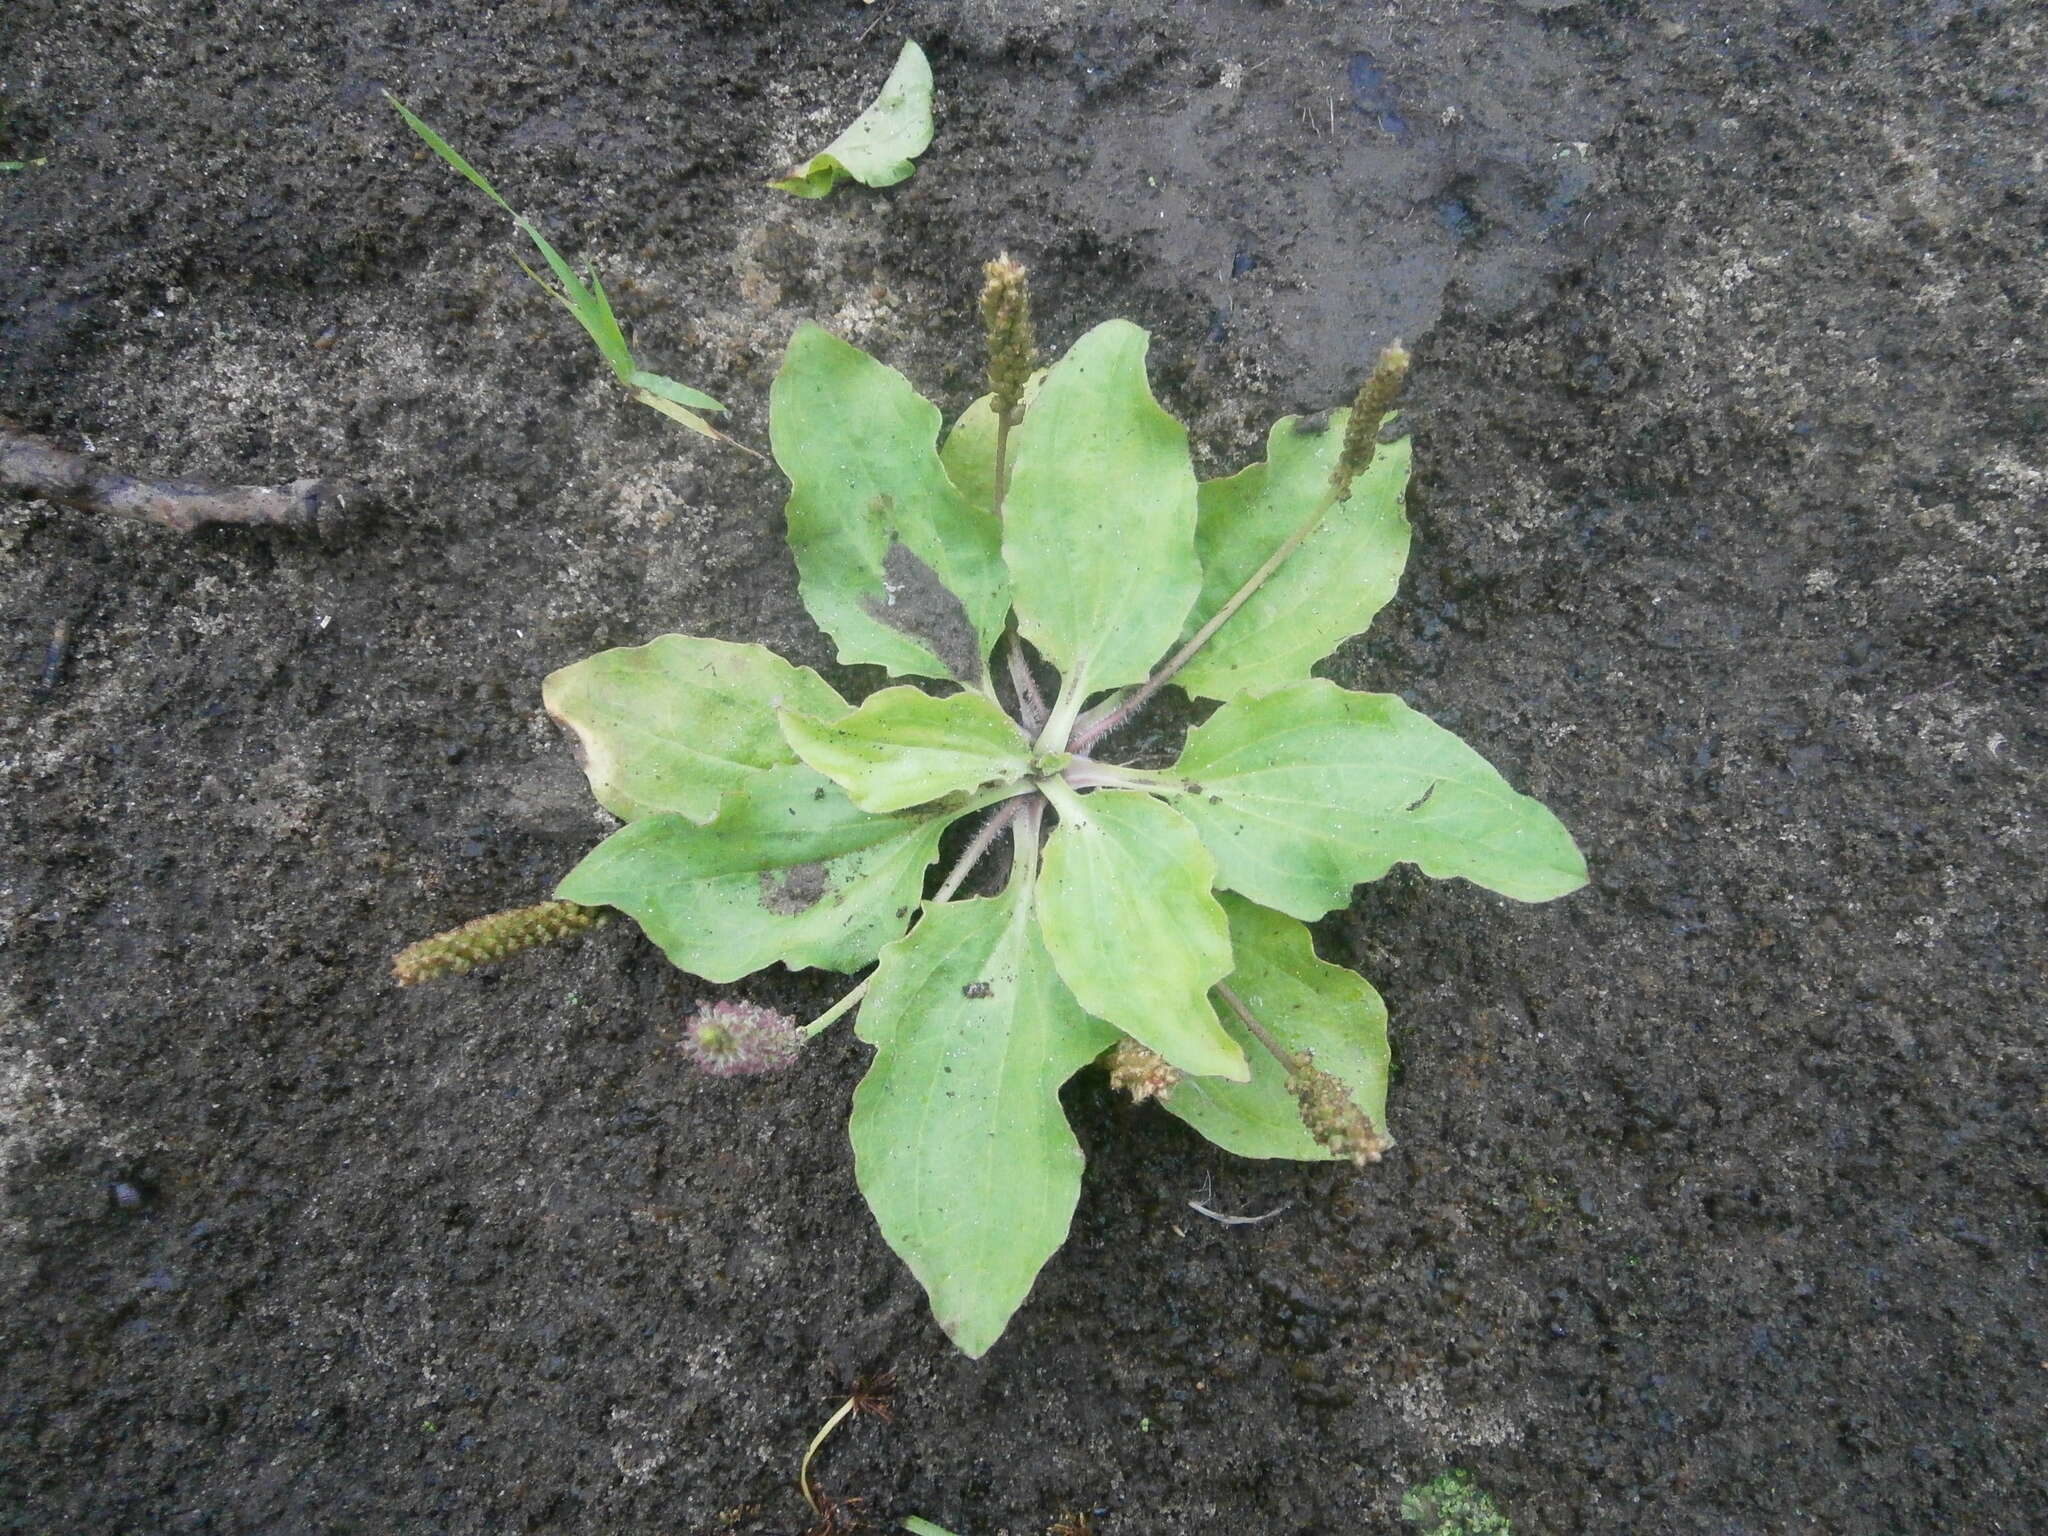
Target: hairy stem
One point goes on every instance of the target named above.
(1102, 711)
(978, 847)
(1030, 702)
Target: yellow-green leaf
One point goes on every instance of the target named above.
(876, 150)
(959, 1142)
(790, 870)
(1304, 792)
(1124, 901)
(673, 725)
(1326, 591)
(678, 721)
(894, 563)
(1099, 522)
(903, 747)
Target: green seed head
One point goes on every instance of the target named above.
(485, 939)
(1361, 434)
(1139, 1071)
(1333, 1118)
(1006, 313)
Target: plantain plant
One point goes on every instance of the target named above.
(1043, 573)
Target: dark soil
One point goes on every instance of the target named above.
(1719, 1202)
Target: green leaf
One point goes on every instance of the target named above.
(1124, 901)
(1307, 1005)
(676, 402)
(969, 453)
(1325, 592)
(1304, 792)
(791, 870)
(917, 1525)
(1099, 522)
(590, 306)
(586, 301)
(440, 146)
(673, 725)
(668, 389)
(903, 747)
(959, 1142)
(876, 150)
(895, 564)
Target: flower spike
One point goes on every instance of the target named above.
(1141, 1072)
(1361, 435)
(729, 1039)
(1006, 313)
(485, 939)
(1332, 1116)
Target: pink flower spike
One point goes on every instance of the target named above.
(727, 1039)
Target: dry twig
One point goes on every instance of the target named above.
(32, 466)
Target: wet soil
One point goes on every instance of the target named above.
(1718, 1205)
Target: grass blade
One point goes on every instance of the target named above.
(441, 147)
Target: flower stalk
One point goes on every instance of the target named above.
(1012, 350)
